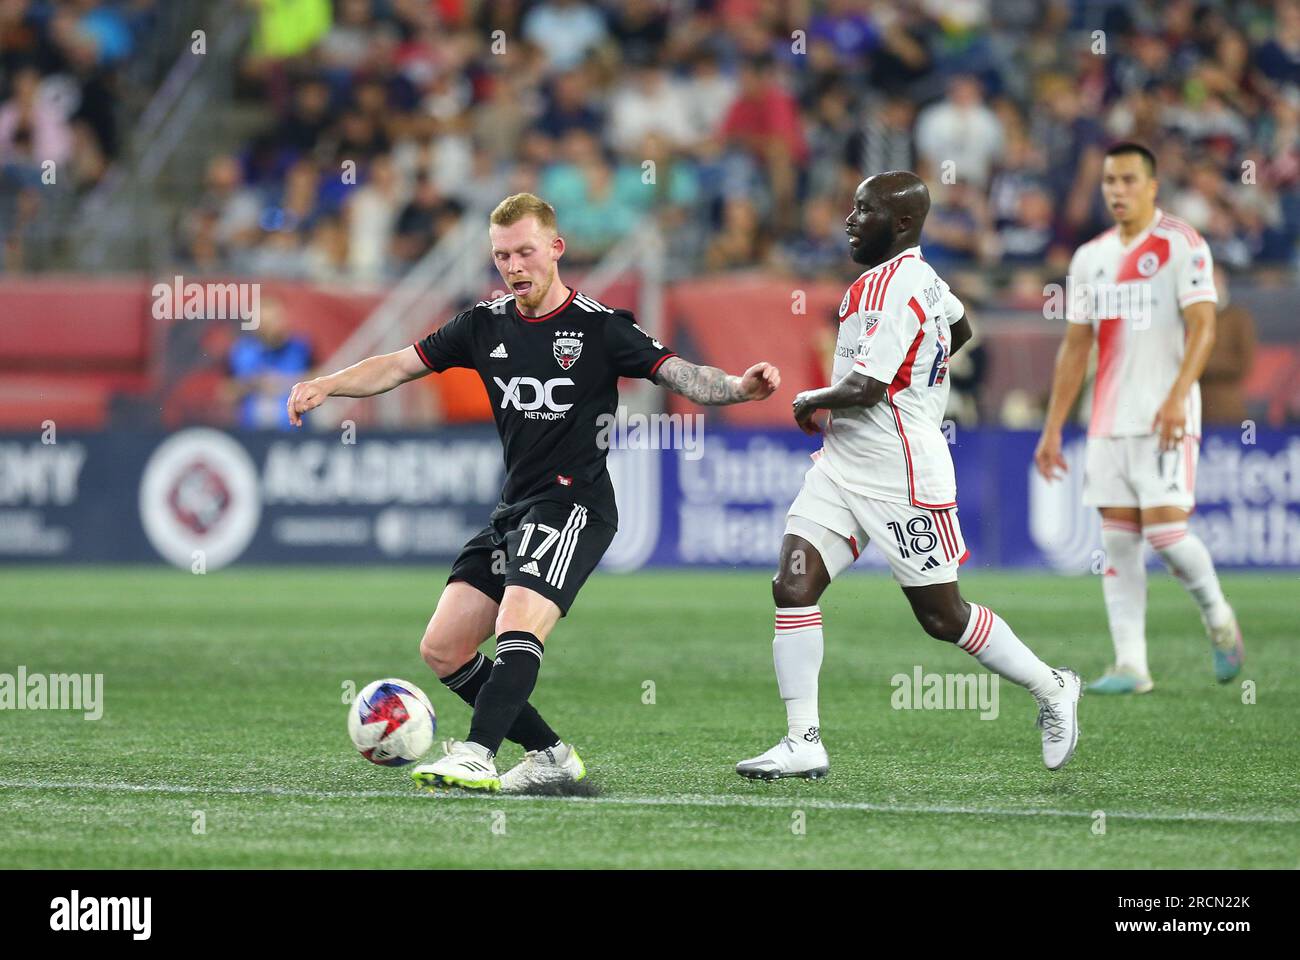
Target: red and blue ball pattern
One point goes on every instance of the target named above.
(384, 709)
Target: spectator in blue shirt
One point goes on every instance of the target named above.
(264, 364)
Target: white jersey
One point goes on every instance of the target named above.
(894, 328)
(1133, 295)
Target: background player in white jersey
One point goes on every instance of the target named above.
(885, 474)
(1144, 290)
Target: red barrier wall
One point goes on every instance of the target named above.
(72, 349)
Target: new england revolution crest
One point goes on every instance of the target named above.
(567, 347)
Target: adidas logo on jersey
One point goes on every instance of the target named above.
(531, 567)
(499, 353)
(930, 563)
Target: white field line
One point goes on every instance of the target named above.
(681, 800)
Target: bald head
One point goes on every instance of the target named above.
(889, 210)
(903, 194)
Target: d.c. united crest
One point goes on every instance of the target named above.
(567, 348)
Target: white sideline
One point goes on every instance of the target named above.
(681, 800)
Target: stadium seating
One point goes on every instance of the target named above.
(67, 345)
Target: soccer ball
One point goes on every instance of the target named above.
(392, 723)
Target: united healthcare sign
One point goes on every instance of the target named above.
(416, 498)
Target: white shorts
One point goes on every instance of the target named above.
(1133, 472)
(922, 546)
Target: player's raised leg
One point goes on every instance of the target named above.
(1187, 558)
(801, 578)
(1124, 588)
(550, 550)
(523, 621)
(526, 620)
(465, 618)
(944, 615)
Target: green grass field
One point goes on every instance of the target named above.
(223, 695)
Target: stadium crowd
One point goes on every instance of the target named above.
(59, 95)
(744, 124)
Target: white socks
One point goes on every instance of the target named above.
(989, 640)
(1124, 586)
(1125, 583)
(797, 653)
(1189, 561)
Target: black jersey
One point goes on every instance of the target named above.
(550, 379)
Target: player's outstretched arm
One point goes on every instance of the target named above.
(854, 390)
(713, 387)
(365, 379)
(1067, 381)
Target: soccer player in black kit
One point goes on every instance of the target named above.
(550, 359)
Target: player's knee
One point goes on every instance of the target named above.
(794, 590)
(527, 611)
(945, 625)
(441, 653)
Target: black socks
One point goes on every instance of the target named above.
(528, 730)
(499, 703)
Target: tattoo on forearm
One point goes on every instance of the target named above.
(706, 385)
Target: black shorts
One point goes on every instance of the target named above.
(551, 548)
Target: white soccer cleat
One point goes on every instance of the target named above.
(540, 769)
(789, 758)
(466, 766)
(1058, 718)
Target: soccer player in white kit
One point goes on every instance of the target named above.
(1144, 290)
(884, 473)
